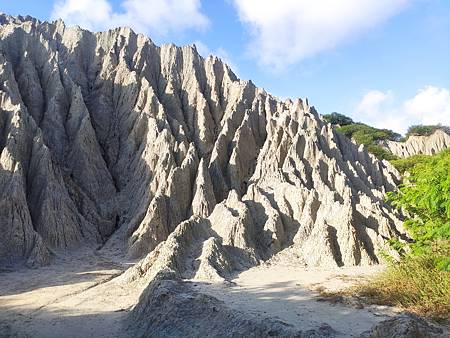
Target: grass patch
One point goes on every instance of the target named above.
(415, 284)
(420, 281)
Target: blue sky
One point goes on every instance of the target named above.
(384, 62)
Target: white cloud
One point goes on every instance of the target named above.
(159, 17)
(85, 13)
(371, 103)
(430, 105)
(377, 109)
(287, 31)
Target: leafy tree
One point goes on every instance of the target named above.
(420, 280)
(336, 118)
(425, 199)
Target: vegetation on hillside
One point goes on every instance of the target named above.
(425, 130)
(370, 137)
(420, 281)
(425, 198)
(337, 119)
(404, 165)
(364, 134)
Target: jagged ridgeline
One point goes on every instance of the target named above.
(415, 144)
(108, 139)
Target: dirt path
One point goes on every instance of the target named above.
(74, 297)
(287, 293)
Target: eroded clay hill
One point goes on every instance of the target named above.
(106, 138)
(415, 144)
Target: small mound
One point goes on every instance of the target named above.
(404, 326)
(170, 307)
(192, 250)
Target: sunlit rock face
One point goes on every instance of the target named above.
(415, 145)
(108, 139)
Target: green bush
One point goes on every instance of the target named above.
(420, 281)
(425, 130)
(425, 199)
(363, 133)
(336, 118)
(370, 136)
(406, 164)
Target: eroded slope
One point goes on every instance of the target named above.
(106, 136)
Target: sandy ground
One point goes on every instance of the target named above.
(73, 297)
(289, 294)
(78, 297)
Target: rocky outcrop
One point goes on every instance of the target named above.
(405, 326)
(192, 250)
(414, 145)
(155, 152)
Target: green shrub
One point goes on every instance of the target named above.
(425, 199)
(420, 281)
(336, 118)
(406, 164)
(370, 137)
(425, 130)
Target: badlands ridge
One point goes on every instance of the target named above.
(159, 157)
